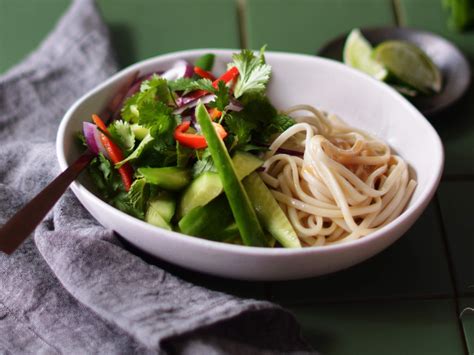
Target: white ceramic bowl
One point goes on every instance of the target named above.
(358, 99)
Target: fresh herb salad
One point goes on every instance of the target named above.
(183, 152)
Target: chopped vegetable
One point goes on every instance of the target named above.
(205, 62)
(204, 74)
(115, 154)
(193, 140)
(254, 72)
(163, 161)
(242, 209)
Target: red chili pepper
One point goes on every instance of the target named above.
(204, 74)
(193, 140)
(115, 154)
(226, 77)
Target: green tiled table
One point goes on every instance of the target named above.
(408, 299)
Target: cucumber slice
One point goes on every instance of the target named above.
(153, 215)
(208, 221)
(140, 132)
(269, 213)
(203, 189)
(245, 163)
(169, 178)
(164, 204)
(242, 209)
(208, 186)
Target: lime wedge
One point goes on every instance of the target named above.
(358, 54)
(410, 65)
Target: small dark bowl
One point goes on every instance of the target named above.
(454, 67)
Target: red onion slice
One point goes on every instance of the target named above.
(204, 99)
(234, 105)
(180, 69)
(92, 135)
(88, 130)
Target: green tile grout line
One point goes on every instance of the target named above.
(452, 272)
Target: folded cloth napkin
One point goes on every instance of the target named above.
(74, 288)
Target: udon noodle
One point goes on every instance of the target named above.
(335, 183)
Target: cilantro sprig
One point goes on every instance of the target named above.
(254, 73)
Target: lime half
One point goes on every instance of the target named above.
(358, 54)
(410, 65)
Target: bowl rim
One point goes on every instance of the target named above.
(404, 218)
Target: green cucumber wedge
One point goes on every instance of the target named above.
(164, 204)
(271, 216)
(159, 212)
(242, 209)
(201, 191)
(208, 221)
(168, 178)
(208, 186)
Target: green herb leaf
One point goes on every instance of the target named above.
(254, 73)
(239, 127)
(157, 88)
(122, 202)
(138, 195)
(137, 152)
(157, 117)
(203, 164)
(222, 97)
(122, 134)
(152, 90)
(106, 179)
(180, 84)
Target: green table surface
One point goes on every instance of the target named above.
(406, 300)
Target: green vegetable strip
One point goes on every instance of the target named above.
(205, 62)
(242, 209)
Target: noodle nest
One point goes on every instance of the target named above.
(334, 182)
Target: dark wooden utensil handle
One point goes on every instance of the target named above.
(24, 222)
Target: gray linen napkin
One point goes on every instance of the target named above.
(74, 288)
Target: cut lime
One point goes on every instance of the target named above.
(410, 65)
(358, 54)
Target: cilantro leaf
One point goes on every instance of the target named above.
(188, 84)
(157, 117)
(180, 84)
(122, 202)
(240, 128)
(105, 178)
(138, 194)
(81, 140)
(222, 97)
(122, 134)
(254, 73)
(137, 152)
(200, 84)
(259, 120)
(129, 111)
(204, 164)
(157, 88)
(151, 90)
